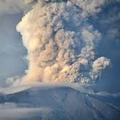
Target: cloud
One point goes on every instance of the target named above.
(99, 65)
(13, 111)
(60, 47)
(28, 1)
(13, 6)
(89, 7)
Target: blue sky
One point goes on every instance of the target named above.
(12, 52)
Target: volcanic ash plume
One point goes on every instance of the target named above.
(61, 45)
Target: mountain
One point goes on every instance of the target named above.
(59, 103)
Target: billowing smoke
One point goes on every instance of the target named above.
(61, 45)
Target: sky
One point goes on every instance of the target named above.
(13, 52)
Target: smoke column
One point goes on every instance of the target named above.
(61, 44)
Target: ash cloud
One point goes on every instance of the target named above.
(61, 45)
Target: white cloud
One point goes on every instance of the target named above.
(99, 65)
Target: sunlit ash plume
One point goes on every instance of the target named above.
(61, 44)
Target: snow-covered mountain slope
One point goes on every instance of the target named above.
(59, 103)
